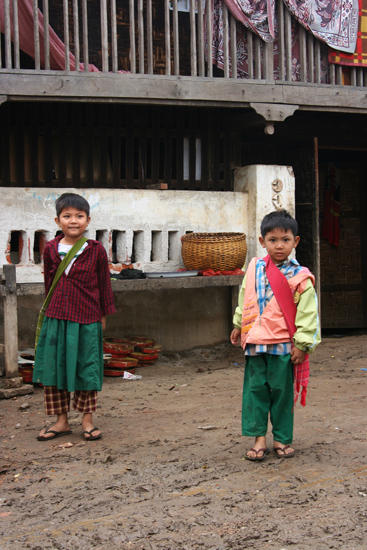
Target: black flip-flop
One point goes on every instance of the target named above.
(56, 434)
(282, 450)
(92, 437)
(257, 458)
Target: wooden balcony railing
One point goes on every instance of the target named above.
(155, 37)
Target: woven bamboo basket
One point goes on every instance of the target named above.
(217, 251)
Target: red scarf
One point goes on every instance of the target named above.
(284, 297)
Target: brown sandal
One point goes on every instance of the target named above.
(257, 458)
(283, 449)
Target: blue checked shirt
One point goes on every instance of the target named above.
(290, 268)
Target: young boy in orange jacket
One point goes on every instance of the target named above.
(277, 319)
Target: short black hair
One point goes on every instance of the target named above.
(280, 219)
(71, 200)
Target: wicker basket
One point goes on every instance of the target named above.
(217, 251)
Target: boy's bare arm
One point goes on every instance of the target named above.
(235, 334)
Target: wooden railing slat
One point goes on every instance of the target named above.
(149, 36)
(16, 35)
(104, 36)
(141, 36)
(76, 34)
(250, 54)
(288, 45)
(339, 74)
(194, 70)
(66, 35)
(360, 77)
(257, 58)
(8, 62)
(167, 36)
(201, 38)
(114, 36)
(310, 58)
(209, 35)
(233, 22)
(281, 41)
(353, 76)
(268, 60)
(303, 54)
(332, 74)
(36, 35)
(85, 35)
(46, 35)
(317, 62)
(225, 40)
(132, 37)
(176, 43)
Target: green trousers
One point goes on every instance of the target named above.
(268, 388)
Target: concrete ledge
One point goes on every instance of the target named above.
(38, 289)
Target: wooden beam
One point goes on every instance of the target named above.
(179, 90)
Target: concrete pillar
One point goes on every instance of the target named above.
(269, 188)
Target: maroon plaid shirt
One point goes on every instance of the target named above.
(85, 294)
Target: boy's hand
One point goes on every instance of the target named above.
(297, 356)
(103, 321)
(235, 334)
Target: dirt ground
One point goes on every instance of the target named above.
(169, 472)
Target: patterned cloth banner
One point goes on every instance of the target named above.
(335, 23)
(359, 57)
(256, 15)
(332, 22)
(242, 48)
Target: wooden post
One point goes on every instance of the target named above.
(10, 322)
(316, 226)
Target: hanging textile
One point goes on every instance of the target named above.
(359, 57)
(26, 37)
(256, 15)
(331, 224)
(335, 23)
(242, 51)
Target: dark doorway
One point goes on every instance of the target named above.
(342, 177)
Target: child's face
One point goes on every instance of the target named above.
(73, 223)
(279, 244)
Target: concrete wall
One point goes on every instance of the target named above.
(149, 222)
(152, 222)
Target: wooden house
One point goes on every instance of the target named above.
(130, 94)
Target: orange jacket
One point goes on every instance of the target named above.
(270, 327)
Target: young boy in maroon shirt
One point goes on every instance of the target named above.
(70, 349)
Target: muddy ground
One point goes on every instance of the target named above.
(169, 472)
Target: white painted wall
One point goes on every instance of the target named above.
(153, 220)
(150, 221)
